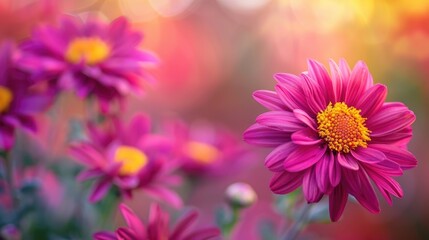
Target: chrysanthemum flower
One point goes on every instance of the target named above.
(334, 135)
(157, 227)
(129, 157)
(92, 58)
(205, 150)
(18, 100)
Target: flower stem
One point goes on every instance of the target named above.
(9, 177)
(229, 226)
(299, 224)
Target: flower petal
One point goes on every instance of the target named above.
(183, 224)
(319, 73)
(305, 136)
(104, 236)
(263, 136)
(305, 118)
(133, 222)
(309, 187)
(100, 190)
(372, 100)
(359, 186)
(404, 158)
(303, 157)
(347, 161)
(274, 160)
(360, 80)
(337, 202)
(280, 120)
(368, 155)
(334, 170)
(322, 168)
(269, 99)
(285, 182)
(391, 118)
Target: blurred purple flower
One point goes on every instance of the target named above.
(157, 227)
(129, 157)
(18, 100)
(92, 58)
(203, 150)
(334, 135)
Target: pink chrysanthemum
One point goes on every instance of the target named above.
(157, 227)
(206, 150)
(93, 58)
(19, 102)
(129, 157)
(334, 135)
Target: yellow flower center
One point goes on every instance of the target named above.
(91, 49)
(342, 127)
(132, 159)
(6, 97)
(202, 152)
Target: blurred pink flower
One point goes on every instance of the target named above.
(129, 157)
(92, 58)
(157, 227)
(334, 135)
(19, 102)
(203, 150)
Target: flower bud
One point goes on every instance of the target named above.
(240, 195)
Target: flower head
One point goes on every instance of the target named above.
(335, 135)
(157, 227)
(129, 157)
(205, 150)
(19, 102)
(240, 195)
(92, 58)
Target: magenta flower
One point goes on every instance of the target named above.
(92, 58)
(334, 135)
(19, 102)
(205, 150)
(129, 157)
(157, 227)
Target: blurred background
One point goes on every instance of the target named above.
(215, 53)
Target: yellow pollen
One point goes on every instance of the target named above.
(132, 159)
(342, 127)
(6, 97)
(90, 49)
(201, 152)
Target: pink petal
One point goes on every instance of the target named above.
(338, 81)
(404, 158)
(263, 136)
(305, 118)
(305, 136)
(322, 168)
(104, 236)
(274, 160)
(386, 185)
(359, 81)
(126, 234)
(360, 187)
(280, 120)
(334, 170)
(285, 182)
(372, 100)
(269, 99)
(398, 139)
(88, 174)
(165, 195)
(100, 189)
(310, 188)
(368, 155)
(184, 224)
(319, 73)
(337, 202)
(303, 157)
(391, 118)
(133, 222)
(316, 100)
(347, 161)
(292, 97)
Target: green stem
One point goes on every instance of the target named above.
(228, 227)
(299, 224)
(9, 177)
